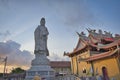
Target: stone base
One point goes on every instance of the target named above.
(40, 66)
(43, 71)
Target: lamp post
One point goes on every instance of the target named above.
(5, 60)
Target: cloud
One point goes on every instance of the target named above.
(4, 35)
(56, 57)
(16, 57)
(11, 49)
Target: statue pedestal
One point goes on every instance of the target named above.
(40, 66)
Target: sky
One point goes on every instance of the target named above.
(19, 19)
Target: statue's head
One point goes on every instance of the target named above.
(42, 22)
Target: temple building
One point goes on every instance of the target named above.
(61, 66)
(96, 54)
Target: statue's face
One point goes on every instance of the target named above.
(42, 22)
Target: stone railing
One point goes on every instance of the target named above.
(67, 77)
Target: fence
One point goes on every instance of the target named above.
(67, 77)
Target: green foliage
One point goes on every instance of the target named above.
(18, 70)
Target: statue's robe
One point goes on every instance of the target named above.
(41, 34)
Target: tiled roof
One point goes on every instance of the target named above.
(95, 41)
(102, 55)
(109, 39)
(60, 64)
(15, 75)
(115, 43)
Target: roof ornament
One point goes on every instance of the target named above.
(117, 35)
(78, 34)
(108, 34)
(91, 30)
(82, 34)
(100, 31)
(65, 53)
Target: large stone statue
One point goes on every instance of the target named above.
(41, 34)
(40, 65)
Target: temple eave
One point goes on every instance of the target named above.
(102, 55)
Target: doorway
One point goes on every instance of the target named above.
(105, 74)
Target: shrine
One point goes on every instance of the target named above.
(96, 54)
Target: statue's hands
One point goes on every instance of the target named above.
(44, 37)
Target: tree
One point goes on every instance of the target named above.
(18, 70)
